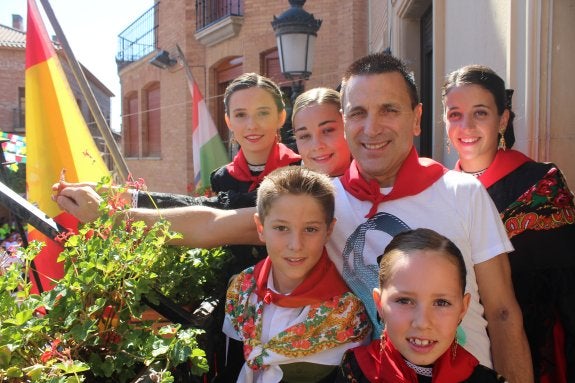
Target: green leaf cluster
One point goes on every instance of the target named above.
(89, 327)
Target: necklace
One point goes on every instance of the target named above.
(256, 168)
(420, 370)
(476, 174)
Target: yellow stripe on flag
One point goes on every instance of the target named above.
(57, 138)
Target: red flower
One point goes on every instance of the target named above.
(544, 187)
(298, 329)
(63, 237)
(46, 356)
(104, 233)
(563, 199)
(247, 351)
(117, 203)
(249, 329)
(302, 344)
(343, 335)
(135, 184)
(247, 283)
(51, 351)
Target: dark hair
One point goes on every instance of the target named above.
(252, 80)
(296, 180)
(489, 80)
(420, 239)
(315, 96)
(378, 63)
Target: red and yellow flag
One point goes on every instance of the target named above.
(57, 138)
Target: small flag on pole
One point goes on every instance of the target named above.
(57, 138)
(209, 152)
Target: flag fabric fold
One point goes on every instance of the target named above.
(57, 138)
(209, 152)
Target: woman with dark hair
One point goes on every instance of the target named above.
(535, 205)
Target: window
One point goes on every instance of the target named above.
(151, 132)
(131, 136)
(225, 72)
(19, 113)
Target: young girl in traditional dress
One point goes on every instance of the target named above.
(537, 209)
(292, 311)
(421, 298)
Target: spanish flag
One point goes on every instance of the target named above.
(57, 139)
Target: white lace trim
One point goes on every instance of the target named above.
(419, 370)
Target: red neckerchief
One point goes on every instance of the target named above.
(324, 282)
(387, 365)
(505, 162)
(415, 175)
(279, 156)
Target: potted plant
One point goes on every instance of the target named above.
(89, 327)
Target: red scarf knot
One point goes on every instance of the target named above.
(280, 156)
(415, 175)
(268, 297)
(321, 284)
(386, 364)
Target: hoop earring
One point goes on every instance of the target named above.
(502, 144)
(382, 340)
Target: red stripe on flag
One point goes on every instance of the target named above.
(38, 49)
(47, 267)
(196, 99)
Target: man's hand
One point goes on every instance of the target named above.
(80, 200)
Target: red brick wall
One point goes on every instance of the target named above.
(11, 77)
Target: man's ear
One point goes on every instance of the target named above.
(259, 227)
(418, 110)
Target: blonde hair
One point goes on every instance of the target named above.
(296, 180)
(315, 96)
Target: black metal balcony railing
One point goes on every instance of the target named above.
(210, 11)
(140, 38)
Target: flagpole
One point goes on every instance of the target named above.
(101, 123)
(186, 66)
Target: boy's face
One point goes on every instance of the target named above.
(295, 233)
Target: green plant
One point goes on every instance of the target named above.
(89, 326)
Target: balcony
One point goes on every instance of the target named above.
(218, 20)
(139, 39)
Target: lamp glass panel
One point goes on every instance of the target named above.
(296, 52)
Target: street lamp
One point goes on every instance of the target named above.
(296, 32)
